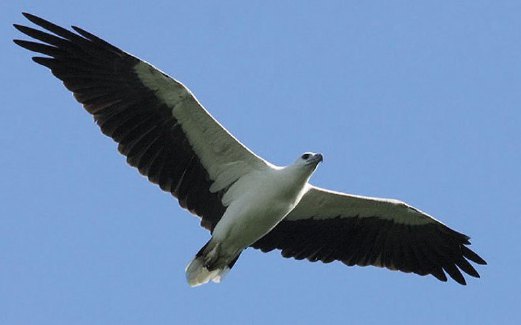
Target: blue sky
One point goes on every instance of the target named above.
(419, 101)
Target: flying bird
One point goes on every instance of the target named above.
(242, 199)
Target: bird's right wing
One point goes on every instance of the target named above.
(327, 226)
(160, 126)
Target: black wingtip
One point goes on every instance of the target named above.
(471, 255)
(46, 62)
(438, 273)
(21, 28)
(466, 267)
(84, 33)
(18, 42)
(96, 39)
(31, 17)
(461, 280)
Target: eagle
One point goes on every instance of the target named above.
(241, 198)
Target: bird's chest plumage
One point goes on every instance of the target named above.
(260, 202)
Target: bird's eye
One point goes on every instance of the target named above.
(305, 156)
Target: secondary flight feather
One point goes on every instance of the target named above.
(243, 200)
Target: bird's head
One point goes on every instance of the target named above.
(309, 159)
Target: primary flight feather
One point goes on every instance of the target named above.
(243, 200)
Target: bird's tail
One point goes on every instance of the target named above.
(209, 264)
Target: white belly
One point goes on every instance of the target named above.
(255, 210)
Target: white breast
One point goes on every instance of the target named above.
(257, 203)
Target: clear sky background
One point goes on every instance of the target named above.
(419, 101)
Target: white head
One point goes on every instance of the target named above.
(309, 159)
(304, 166)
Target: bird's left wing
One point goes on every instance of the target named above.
(327, 226)
(160, 126)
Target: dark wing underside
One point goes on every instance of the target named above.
(351, 235)
(103, 79)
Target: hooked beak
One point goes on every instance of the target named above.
(316, 159)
